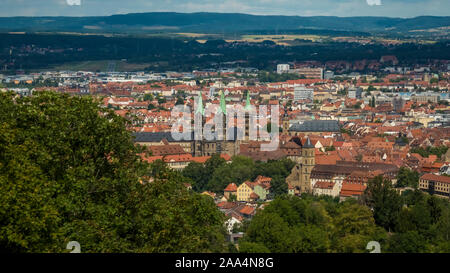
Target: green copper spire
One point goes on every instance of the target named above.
(200, 108)
(223, 104)
(248, 104)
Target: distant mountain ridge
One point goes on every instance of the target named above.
(204, 22)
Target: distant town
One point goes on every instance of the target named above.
(357, 126)
(90, 153)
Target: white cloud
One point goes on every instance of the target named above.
(74, 2)
(374, 2)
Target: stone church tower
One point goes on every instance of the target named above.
(285, 122)
(300, 177)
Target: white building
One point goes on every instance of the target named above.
(283, 68)
(303, 93)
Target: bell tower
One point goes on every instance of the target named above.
(307, 165)
(285, 122)
(300, 176)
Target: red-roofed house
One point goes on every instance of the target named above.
(438, 185)
(350, 190)
(326, 188)
(231, 189)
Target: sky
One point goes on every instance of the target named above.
(343, 8)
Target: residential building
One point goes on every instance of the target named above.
(303, 93)
(283, 68)
(438, 185)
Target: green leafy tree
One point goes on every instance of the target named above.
(180, 101)
(384, 200)
(197, 172)
(407, 178)
(278, 186)
(310, 239)
(409, 242)
(69, 170)
(148, 97)
(270, 230)
(240, 170)
(249, 247)
(354, 228)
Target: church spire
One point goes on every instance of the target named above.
(200, 109)
(248, 104)
(308, 144)
(223, 104)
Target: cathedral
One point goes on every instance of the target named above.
(231, 147)
(302, 155)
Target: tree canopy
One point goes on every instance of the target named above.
(69, 170)
(310, 224)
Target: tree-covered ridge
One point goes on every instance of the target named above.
(217, 22)
(69, 171)
(186, 54)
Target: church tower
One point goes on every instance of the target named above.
(308, 163)
(221, 145)
(300, 176)
(285, 122)
(198, 136)
(247, 109)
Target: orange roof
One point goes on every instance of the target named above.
(226, 205)
(247, 210)
(231, 187)
(254, 196)
(327, 159)
(178, 158)
(151, 159)
(174, 149)
(324, 185)
(263, 179)
(437, 178)
(349, 189)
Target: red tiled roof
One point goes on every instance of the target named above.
(231, 187)
(254, 196)
(349, 189)
(247, 210)
(178, 158)
(437, 178)
(166, 150)
(226, 205)
(324, 185)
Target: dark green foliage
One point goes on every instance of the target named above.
(312, 225)
(407, 178)
(249, 247)
(278, 186)
(438, 151)
(166, 53)
(180, 101)
(69, 171)
(275, 77)
(409, 242)
(217, 22)
(201, 174)
(148, 97)
(384, 200)
(215, 174)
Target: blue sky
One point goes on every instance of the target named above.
(391, 8)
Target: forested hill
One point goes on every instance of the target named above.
(217, 23)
